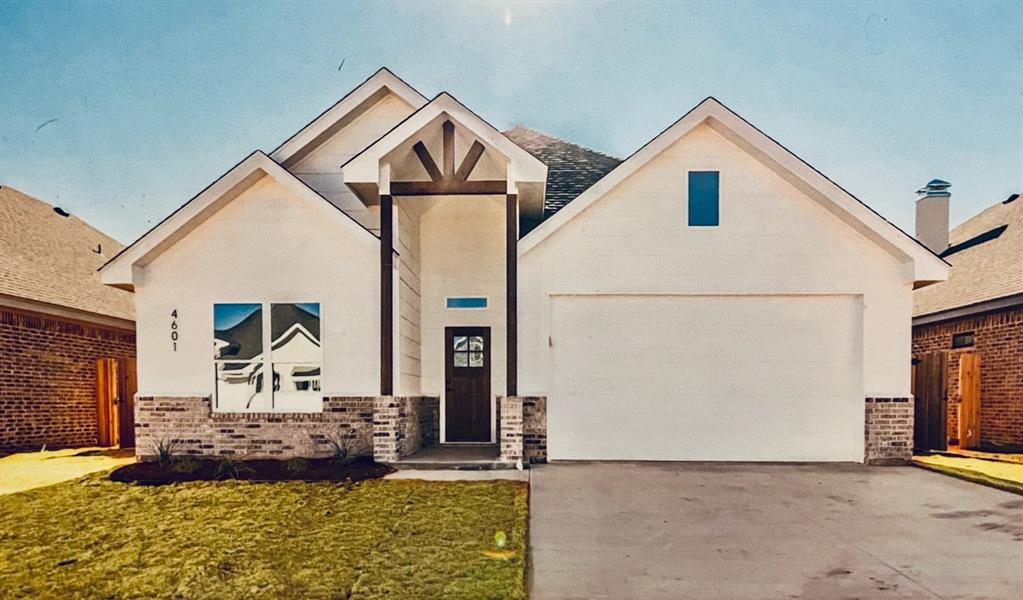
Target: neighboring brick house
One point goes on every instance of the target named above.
(979, 309)
(56, 320)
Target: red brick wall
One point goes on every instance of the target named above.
(998, 339)
(48, 379)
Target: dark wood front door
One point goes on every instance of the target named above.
(467, 384)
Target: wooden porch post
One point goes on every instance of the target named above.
(386, 295)
(511, 269)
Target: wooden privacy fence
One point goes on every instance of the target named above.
(930, 408)
(115, 401)
(969, 400)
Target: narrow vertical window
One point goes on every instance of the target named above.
(704, 198)
(238, 355)
(296, 354)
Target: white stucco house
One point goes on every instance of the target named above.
(411, 275)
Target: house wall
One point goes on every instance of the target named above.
(48, 378)
(408, 342)
(772, 239)
(321, 168)
(998, 339)
(462, 246)
(266, 245)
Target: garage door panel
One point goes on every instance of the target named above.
(706, 378)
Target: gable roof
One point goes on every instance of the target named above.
(50, 258)
(342, 112)
(571, 168)
(986, 254)
(118, 271)
(524, 169)
(928, 267)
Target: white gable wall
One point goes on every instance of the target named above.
(266, 245)
(321, 168)
(771, 240)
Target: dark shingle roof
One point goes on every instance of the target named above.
(571, 168)
(986, 254)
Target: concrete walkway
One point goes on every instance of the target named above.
(459, 475)
(649, 530)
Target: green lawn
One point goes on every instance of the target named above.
(93, 538)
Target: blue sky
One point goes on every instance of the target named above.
(121, 112)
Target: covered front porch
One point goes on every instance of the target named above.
(451, 191)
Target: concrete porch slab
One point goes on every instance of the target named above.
(456, 457)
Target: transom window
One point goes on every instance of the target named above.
(267, 356)
(704, 198)
(466, 302)
(469, 351)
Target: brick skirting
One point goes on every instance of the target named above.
(888, 430)
(194, 429)
(48, 378)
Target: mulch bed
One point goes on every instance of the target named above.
(209, 469)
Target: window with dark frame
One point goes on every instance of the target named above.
(962, 340)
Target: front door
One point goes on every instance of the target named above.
(467, 384)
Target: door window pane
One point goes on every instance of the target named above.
(476, 342)
(461, 359)
(461, 342)
(475, 359)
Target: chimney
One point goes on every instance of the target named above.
(932, 215)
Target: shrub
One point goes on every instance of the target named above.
(185, 464)
(296, 465)
(164, 450)
(231, 467)
(346, 445)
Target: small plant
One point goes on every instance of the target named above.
(231, 467)
(346, 445)
(165, 450)
(185, 465)
(296, 465)
(500, 539)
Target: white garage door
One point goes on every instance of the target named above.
(738, 378)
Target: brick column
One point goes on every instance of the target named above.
(888, 431)
(511, 429)
(387, 429)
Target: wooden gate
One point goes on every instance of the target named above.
(116, 385)
(930, 409)
(969, 405)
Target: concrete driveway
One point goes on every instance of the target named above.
(690, 530)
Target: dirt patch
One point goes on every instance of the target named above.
(208, 469)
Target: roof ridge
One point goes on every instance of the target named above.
(562, 140)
